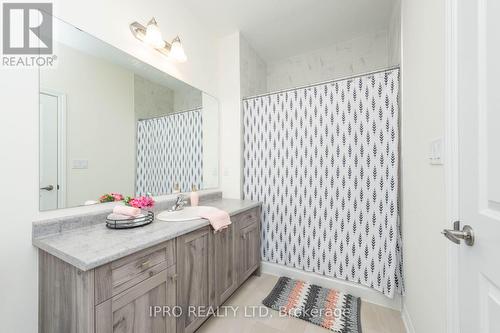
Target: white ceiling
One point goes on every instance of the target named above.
(280, 28)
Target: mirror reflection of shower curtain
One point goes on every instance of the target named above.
(324, 162)
(170, 152)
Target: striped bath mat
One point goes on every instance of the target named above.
(325, 307)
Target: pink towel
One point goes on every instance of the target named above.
(219, 219)
(126, 210)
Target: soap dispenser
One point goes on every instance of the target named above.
(176, 189)
(195, 197)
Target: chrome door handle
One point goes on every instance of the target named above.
(456, 235)
(47, 188)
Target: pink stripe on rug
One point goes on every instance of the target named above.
(294, 296)
(331, 303)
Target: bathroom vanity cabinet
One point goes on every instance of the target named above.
(197, 270)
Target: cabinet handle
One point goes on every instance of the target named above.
(145, 264)
(173, 277)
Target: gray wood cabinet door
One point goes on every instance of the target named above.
(132, 312)
(66, 297)
(195, 284)
(248, 250)
(226, 276)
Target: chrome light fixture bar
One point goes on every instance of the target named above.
(151, 35)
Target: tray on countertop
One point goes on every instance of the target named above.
(134, 222)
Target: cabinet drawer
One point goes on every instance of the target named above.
(130, 310)
(122, 274)
(247, 218)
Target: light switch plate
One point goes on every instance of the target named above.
(436, 152)
(80, 164)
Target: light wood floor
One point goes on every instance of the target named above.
(374, 318)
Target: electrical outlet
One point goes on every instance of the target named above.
(80, 164)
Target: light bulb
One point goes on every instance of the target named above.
(153, 35)
(177, 51)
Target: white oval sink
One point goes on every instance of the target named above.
(186, 214)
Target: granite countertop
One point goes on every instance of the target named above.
(94, 245)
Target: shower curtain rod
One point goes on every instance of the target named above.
(171, 114)
(324, 82)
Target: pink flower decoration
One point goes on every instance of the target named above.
(141, 202)
(117, 196)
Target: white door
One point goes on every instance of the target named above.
(48, 151)
(478, 103)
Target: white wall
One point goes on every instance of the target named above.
(230, 115)
(18, 174)
(100, 124)
(109, 21)
(362, 54)
(423, 185)
(241, 72)
(210, 114)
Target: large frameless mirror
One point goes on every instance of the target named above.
(111, 124)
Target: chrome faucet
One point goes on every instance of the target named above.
(180, 202)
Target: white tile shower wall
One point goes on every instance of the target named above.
(253, 70)
(362, 54)
(151, 99)
(187, 99)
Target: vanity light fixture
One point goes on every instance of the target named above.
(151, 35)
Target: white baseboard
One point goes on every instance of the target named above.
(366, 294)
(405, 315)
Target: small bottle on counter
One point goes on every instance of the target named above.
(195, 197)
(176, 189)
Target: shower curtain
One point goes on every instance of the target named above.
(324, 162)
(170, 152)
